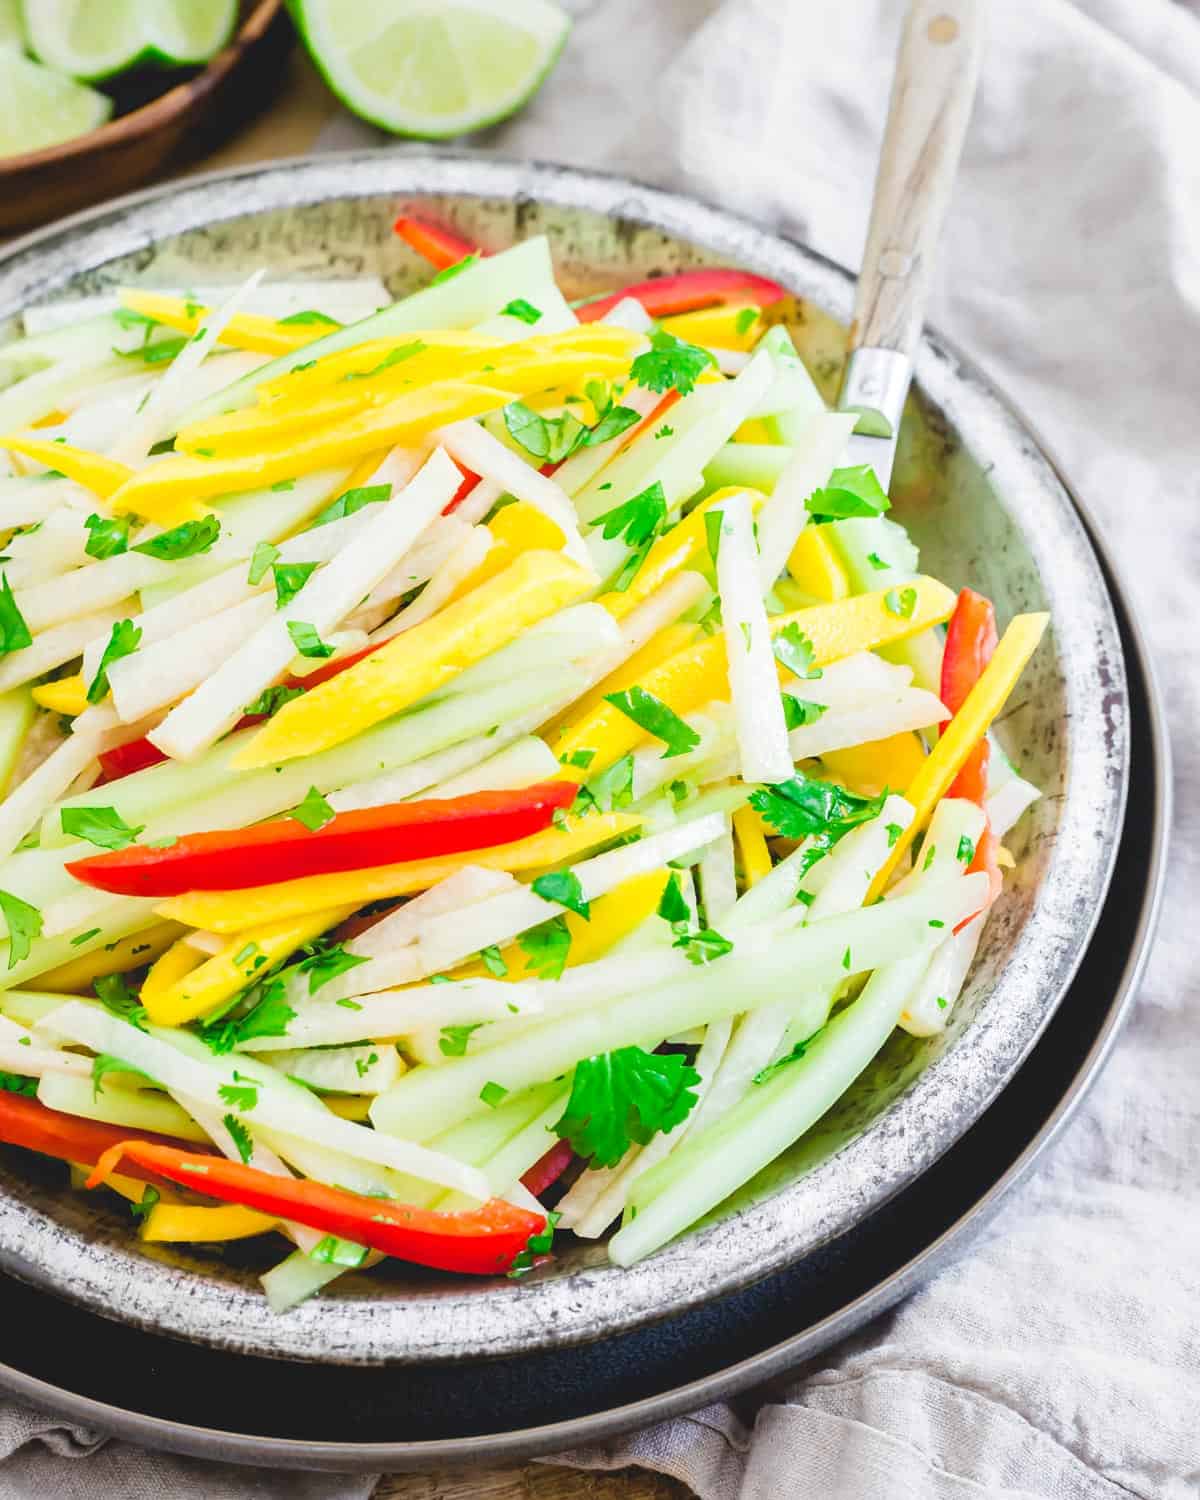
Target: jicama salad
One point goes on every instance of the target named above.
(476, 765)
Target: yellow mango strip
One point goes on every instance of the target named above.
(964, 731)
(77, 975)
(68, 695)
(175, 964)
(164, 487)
(718, 327)
(686, 680)
(875, 764)
(53, 418)
(420, 661)
(755, 430)
(349, 1106)
(754, 856)
(816, 567)
(685, 544)
(103, 476)
(658, 649)
(516, 528)
(268, 428)
(171, 1223)
(612, 918)
(247, 954)
(231, 911)
(698, 674)
(243, 331)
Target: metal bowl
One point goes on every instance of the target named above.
(987, 508)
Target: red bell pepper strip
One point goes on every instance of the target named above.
(124, 760)
(26, 1122)
(286, 849)
(469, 481)
(687, 291)
(970, 641)
(482, 1241)
(546, 1171)
(440, 247)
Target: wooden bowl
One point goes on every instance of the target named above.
(190, 118)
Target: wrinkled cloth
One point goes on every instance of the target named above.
(1060, 1360)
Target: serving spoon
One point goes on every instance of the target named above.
(932, 93)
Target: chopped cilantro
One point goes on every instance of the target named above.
(459, 266)
(261, 559)
(537, 1244)
(493, 961)
(308, 316)
(846, 960)
(546, 948)
(155, 354)
(117, 998)
(562, 886)
(107, 1063)
(85, 937)
(894, 831)
(280, 486)
(745, 321)
(290, 578)
(653, 715)
(796, 652)
(452, 1042)
(307, 640)
(579, 758)
(123, 640)
(877, 562)
(703, 946)
(102, 826)
(900, 602)
(799, 713)
(241, 1095)
(189, 539)
(966, 850)
(942, 1002)
(672, 907)
(612, 789)
(393, 357)
(804, 807)
(525, 311)
(713, 520)
(106, 538)
(325, 963)
(797, 1052)
(17, 1083)
(550, 439)
(626, 1096)
(314, 812)
(271, 699)
(14, 633)
(670, 364)
(24, 923)
(850, 492)
(493, 1095)
(351, 501)
(638, 520)
(150, 1196)
(240, 1136)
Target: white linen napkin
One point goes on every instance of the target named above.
(1061, 1358)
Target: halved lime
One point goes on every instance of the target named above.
(432, 68)
(39, 107)
(95, 40)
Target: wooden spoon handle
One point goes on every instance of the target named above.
(931, 101)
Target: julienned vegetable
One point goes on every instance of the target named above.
(473, 762)
(314, 840)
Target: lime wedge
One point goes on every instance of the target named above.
(94, 41)
(39, 107)
(432, 68)
(12, 29)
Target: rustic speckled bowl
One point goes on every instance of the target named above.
(986, 507)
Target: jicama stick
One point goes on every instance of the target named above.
(323, 601)
(60, 644)
(785, 514)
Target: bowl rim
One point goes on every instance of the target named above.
(156, 112)
(583, 1306)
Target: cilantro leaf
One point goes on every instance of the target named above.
(966, 850)
(17, 1083)
(672, 907)
(270, 1017)
(546, 948)
(804, 807)
(24, 923)
(150, 1196)
(796, 652)
(332, 1251)
(187, 540)
(745, 321)
(493, 961)
(653, 715)
(638, 520)
(850, 492)
(519, 308)
(106, 1063)
(155, 354)
(326, 963)
(713, 521)
(290, 578)
(703, 946)
(106, 538)
(102, 826)
(241, 1095)
(307, 640)
(537, 1244)
(563, 887)
(621, 1097)
(452, 1041)
(799, 713)
(261, 559)
(797, 1052)
(351, 501)
(271, 699)
(14, 633)
(493, 1095)
(241, 1137)
(117, 998)
(123, 640)
(550, 439)
(877, 562)
(308, 316)
(670, 364)
(314, 812)
(392, 357)
(613, 789)
(900, 602)
(613, 422)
